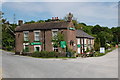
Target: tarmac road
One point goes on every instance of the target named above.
(15, 66)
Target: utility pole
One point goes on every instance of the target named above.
(14, 19)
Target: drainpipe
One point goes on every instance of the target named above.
(44, 40)
(83, 44)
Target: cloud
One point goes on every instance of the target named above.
(104, 13)
(60, 0)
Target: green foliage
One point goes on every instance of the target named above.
(97, 44)
(30, 22)
(56, 39)
(8, 37)
(100, 54)
(96, 29)
(70, 53)
(40, 21)
(87, 50)
(46, 54)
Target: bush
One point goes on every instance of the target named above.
(44, 54)
(70, 53)
(9, 48)
(100, 54)
(36, 54)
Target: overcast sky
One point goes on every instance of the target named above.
(91, 13)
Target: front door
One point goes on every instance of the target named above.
(37, 48)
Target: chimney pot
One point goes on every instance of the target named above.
(20, 22)
(53, 18)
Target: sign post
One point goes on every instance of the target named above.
(102, 50)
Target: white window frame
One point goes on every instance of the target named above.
(37, 35)
(37, 46)
(26, 36)
(78, 40)
(25, 44)
(54, 30)
(54, 48)
(79, 50)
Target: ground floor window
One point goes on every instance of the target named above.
(26, 48)
(55, 48)
(37, 48)
(79, 50)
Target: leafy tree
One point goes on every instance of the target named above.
(96, 29)
(8, 36)
(40, 21)
(48, 20)
(116, 34)
(30, 22)
(56, 39)
(97, 44)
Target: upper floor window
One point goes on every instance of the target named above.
(26, 35)
(37, 35)
(54, 32)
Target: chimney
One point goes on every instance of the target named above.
(70, 17)
(56, 18)
(20, 22)
(53, 18)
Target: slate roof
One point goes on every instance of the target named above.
(80, 33)
(46, 25)
(51, 25)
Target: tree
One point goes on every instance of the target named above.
(97, 44)
(40, 21)
(116, 34)
(56, 39)
(8, 36)
(30, 22)
(96, 29)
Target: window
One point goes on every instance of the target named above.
(78, 40)
(54, 32)
(26, 48)
(37, 48)
(55, 48)
(26, 35)
(37, 35)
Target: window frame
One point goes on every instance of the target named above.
(26, 38)
(54, 30)
(35, 37)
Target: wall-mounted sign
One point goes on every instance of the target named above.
(71, 28)
(35, 43)
(78, 45)
(102, 50)
(63, 44)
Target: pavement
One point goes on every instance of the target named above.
(0, 64)
(15, 66)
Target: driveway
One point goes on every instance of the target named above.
(15, 66)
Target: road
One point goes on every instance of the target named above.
(15, 66)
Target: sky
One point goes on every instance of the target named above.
(90, 13)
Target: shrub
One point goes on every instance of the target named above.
(36, 54)
(100, 54)
(70, 53)
(44, 54)
(9, 48)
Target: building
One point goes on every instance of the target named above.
(84, 41)
(38, 36)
